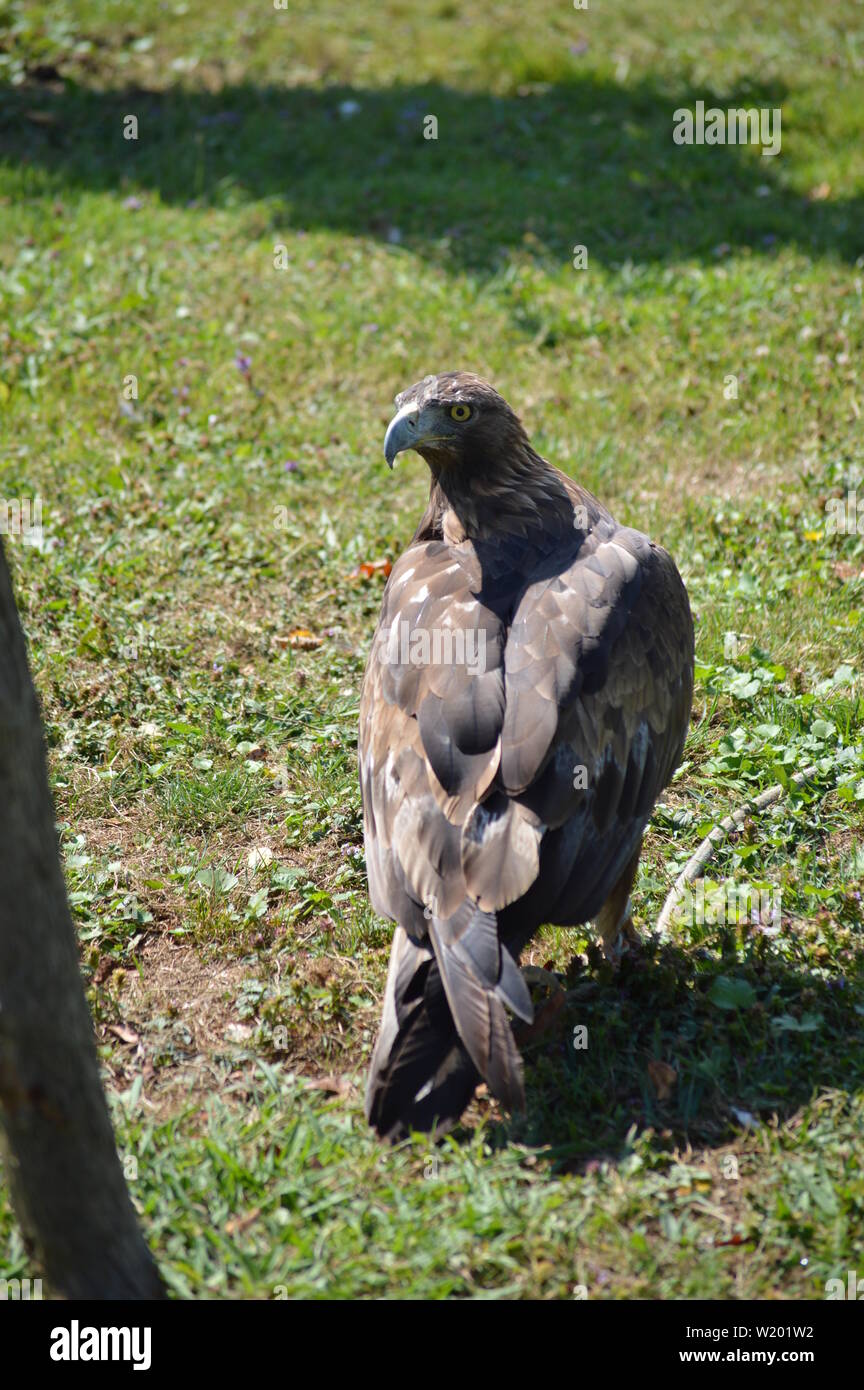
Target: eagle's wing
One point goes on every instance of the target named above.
(478, 823)
(598, 688)
(429, 730)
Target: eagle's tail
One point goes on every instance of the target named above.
(480, 976)
(445, 1026)
(421, 1077)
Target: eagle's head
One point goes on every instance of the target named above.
(455, 419)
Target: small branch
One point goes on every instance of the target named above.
(693, 866)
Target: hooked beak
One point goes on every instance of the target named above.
(413, 428)
(402, 432)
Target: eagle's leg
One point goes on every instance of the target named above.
(613, 922)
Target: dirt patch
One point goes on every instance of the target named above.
(181, 1023)
(177, 1026)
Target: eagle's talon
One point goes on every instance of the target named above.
(616, 946)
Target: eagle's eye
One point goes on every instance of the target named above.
(460, 412)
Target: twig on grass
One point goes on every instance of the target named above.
(698, 861)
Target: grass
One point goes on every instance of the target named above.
(199, 520)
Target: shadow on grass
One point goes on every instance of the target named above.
(574, 162)
(801, 1035)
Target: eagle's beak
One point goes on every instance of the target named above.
(402, 432)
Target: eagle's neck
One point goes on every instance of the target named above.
(517, 495)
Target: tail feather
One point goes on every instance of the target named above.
(472, 936)
(445, 1026)
(421, 1077)
(483, 1026)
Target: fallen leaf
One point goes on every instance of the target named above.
(336, 1085)
(103, 970)
(259, 857)
(544, 1017)
(304, 639)
(126, 1035)
(238, 1224)
(369, 568)
(664, 1078)
(239, 1032)
(847, 569)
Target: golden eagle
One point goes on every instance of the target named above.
(526, 699)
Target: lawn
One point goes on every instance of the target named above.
(201, 333)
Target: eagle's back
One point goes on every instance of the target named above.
(508, 772)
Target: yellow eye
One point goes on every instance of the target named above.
(460, 412)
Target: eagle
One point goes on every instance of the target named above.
(525, 701)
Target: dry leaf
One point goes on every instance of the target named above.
(336, 1085)
(369, 568)
(304, 639)
(126, 1035)
(544, 1017)
(238, 1224)
(239, 1032)
(847, 569)
(663, 1077)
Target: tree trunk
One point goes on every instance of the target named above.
(64, 1171)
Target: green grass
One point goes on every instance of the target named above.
(189, 727)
